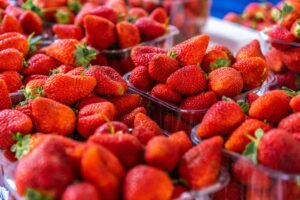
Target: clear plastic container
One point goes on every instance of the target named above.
(190, 16)
(257, 181)
(172, 118)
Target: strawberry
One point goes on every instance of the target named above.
(254, 71)
(272, 106)
(291, 60)
(251, 97)
(188, 80)
(4, 4)
(160, 15)
(290, 123)
(250, 50)
(94, 115)
(31, 22)
(49, 4)
(213, 122)
(68, 31)
(295, 29)
(225, 81)
(141, 79)
(61, 69)
(39, 64)
(5, 102)
(161, 66)
(289, 14)
(77, 71)
(232, 17)
(11, 59)
(287, 189)
(149, 28)
(112, 127)
(232, 191)
(141, 55)
(89, 100)
(199, 102)
(52, 117)
(81, 190)
(191, 51)
(125, 103)
(274, 60)
(64, 15)
(100, 32)
(101, 168)
(128, 119)
(12, 79)
(12, 122)
(280, 33)
(128, 34)
(294, 103)
(34, 77)
(68, 89)
(165, 93)
(200, 166)
(11, 24)
(160, 152)
(136, 13)
(237, 141)
(145, 182)
(125, 147)
(215, 59)
(14, 40)
(33, 85)
(225, 50)
(178, 191)
(100, 60)
(172, 123)
(145, 128)
(182, 141)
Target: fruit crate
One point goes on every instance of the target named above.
(190, 16)
(170, 117)
(255, 181)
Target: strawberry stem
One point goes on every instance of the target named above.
(84, 55)
(33, 42)
(75, 6)
(32, 194)
(29, 5)
(22, 147)
(251, 148)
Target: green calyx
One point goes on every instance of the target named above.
(22, 147)
(33, 42)
(32, 194)
(180, 182)
(220, 62)
(53, 72)
(131, 19)
(279, 15)
(75, 6)
(33, 94)
(243, 105)
(29, 5)
(84, 55)
(290, 92)
(251, 149)
(172, 54)
(62, 17)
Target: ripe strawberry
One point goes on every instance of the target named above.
(5, 102)
(34, 77)
(213, 122)
(81, 190)
(273, 151)
(232, 191)
(11, 24)
(173, 123)
(33, 85)
(149, 28)
(77, 71)
(237, 141)
(136, 13)
(215, 59)
(280, 33)
(287, 189)
(160, 152)
(141, 79)
(128, 119)
(290, 58)
(89, 100)
(100, 60)
(294, 103)
(225, 81)
(141, 55)
(250, 50)
(251, 97)
(32, 172)
(100, 167)
(68, 89)
(31, 22)
(100, 32)
(272, 106)
(64, 15)
(112, 127)
(12, 79)
(274, 60)
(160, 15)
(161, 66)
(145, 128)
(295, 29)
(11, 59)
(191, 51)
(200, 166)
(145, 182)
(182, 141)
(50, 4)
(14, 40)
(291, 13)
(199, 102)
(94, 115)
(178, 191)
(68, 31)
(225, 50)
(165, 93)
(188, 80)
(291, 123)
(109, 82)
(125, 103)
(128, 34)
(52, 117)
(39, 64)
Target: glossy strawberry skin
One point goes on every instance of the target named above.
(39, 64)
(14, 40)
(31, 22)
(291, 60)
(290, 123)
(125, 103)
(165, 93)
(11, 59)
(149, 28)
(295, 103)
(279, 33)
(141, 55)
(250, 50)
(141, 79)
(128, 119)
(128, 35)
(5, 102)
(68, 31)
(12, 80)
(81, 190)
(11, 24)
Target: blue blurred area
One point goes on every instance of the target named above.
(221, 7)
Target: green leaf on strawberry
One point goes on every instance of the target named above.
(244, 106)
(172, 54)
(32, 194)
(290, 92)
(33, 42)
(251, 149)
(33, 94)
(220, 62)
(287, 9)
(180, 181)
(29, 5)
(298, 181)
(75, 6)
(84, 55)
(22, 147)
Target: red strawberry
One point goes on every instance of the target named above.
(136, 13)
(39, 64)
(225, 81)
(125, 103)
(191, 51)
(149, 28)
(290, 9)
(213, 122)
(5, 101)
(35, 84)
(232, 191)
(11, 24)
(188, 80)
(68, 31)
(128, 34)
(12, 122)
(128, 119)
(12, 80)
(112, 127)
(34, 77)
(109, 82)
(225, 50)
(77, 71)
(160, 15)
(274, 60)
(232, 17)
(291, 123)
(295, 29)
(280, 33)
(294, 103)
(141, 79)
(290, 58)
(14, 40)
(165, 93)
(62, 69)
(200, 166)
(64, 15)
(100, 32)
(250, 50)
(215, 59)
(178, 191)
(31, 22)
(251, 97)
(89, 100)
(11, 59)
(81, 190)
(100, 60)
(287, 79)
(141, 55)
(182, 141)
(161, 66)
(272, 106)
